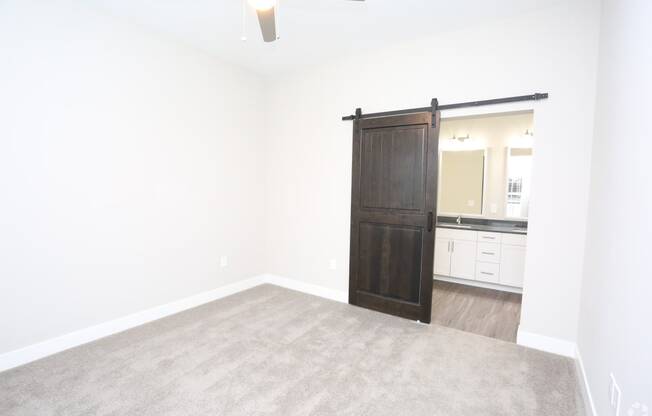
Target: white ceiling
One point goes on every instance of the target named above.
(311, 31)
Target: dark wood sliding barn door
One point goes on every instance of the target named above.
(393, 210)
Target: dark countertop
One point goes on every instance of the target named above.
(483, 227)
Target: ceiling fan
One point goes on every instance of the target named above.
(266, 11)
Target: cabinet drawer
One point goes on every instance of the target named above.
(488, 252)
(487, 272)
(462, 235)
(515, 239)
(487, 237)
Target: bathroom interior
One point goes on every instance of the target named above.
(484, 190)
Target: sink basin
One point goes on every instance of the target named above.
(458, 225)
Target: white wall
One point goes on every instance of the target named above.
(615, 319)
(128, 165)
(553, 50)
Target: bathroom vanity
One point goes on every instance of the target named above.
(481, 255)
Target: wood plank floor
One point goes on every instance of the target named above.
(487, 312)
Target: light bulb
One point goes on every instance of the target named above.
(262, 4)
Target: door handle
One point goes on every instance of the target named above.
(430, 221)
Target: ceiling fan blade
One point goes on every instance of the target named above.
(267, 21)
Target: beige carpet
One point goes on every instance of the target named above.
(271, 351)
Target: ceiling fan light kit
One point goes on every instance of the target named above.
(266, 10)
(262, 4)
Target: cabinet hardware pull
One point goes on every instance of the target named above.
(490, 274)
(487, 253)
(430, 221)
(449, 246)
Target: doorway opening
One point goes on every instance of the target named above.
(442, 216)
(484, 188)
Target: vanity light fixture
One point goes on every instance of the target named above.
(461, 139)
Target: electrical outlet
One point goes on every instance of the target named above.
(332, 264)
(638, 409)
(224, 261)
(614, 395)
(470, 202)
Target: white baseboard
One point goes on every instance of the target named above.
(586, 390)
(34, 352)
(548, 344)
(54, 345)
(332, 294)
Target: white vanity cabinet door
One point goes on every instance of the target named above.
(463, 259)
(512, 265)
(442, 257)
(515, 239)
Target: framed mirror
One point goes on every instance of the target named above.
(461, 182)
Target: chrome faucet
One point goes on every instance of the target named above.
(459, 220)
